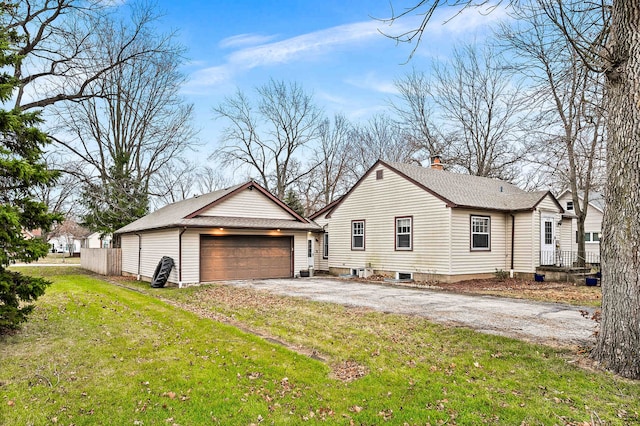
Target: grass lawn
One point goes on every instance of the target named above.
(97, 353)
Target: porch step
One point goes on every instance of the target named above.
(575, 275)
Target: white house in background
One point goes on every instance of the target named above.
(409, 221)
(242, 232)
(64, 244)
(592, 225)
(94, 240)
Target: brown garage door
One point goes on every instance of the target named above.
(245, 257)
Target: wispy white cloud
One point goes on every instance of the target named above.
(447, 21)
(371, 81)
(258, 51)
(306, 46)
(245, 40)
(207, 77)
(303, 47)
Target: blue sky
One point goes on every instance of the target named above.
(332, 48)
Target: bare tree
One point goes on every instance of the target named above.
(570, 99)
(63, 47)
(328, 176)
(481, 112)
(136, 124)
(612, 46)
(62, 196)
(267, 135)
(415, 107)
(211, 179)
(382, 138)
(174, 182)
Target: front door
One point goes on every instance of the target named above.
(310, 254)
(547, 241)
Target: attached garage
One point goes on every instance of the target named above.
(237, 257)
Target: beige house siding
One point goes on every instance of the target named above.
(248, 203)
(467, 261)
(593, 223)
(568, 235)
(321, 264)
(191, 249)
(378, 202)
(525, 235)
(129, 245)
(156, 244)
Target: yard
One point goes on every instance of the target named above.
(122, 353)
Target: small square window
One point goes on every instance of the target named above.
(595, 236)
(569, 205)
(379, 174)
(587, 237)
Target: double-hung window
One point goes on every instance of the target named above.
(404, 233)
(480, 233)
(357, 235)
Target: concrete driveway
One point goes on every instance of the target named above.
(547, 323)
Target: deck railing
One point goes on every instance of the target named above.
(568, 258)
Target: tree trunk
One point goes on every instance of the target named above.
(619, 338)
(582, 252)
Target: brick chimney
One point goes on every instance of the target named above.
(436, 163)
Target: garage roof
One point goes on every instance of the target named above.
(185, 213)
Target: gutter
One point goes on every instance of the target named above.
(139, 254)
(513, 240)
(184, 229)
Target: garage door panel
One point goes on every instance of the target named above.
(245, 257)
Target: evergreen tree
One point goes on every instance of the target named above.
(293, 201)
(22, 170)
(115, 200)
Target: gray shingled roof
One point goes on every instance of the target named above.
(175, 215)
(461, 190)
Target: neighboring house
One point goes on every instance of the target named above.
(96, 240)
(241, 232)
(67, 237)
(429, 224)
(31, 234)
(64, 244)
(592, 225)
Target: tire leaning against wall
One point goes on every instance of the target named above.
(161, 274)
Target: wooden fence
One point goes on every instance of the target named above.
(103, 261)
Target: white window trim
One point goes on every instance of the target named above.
(353, 235)
(410, 233)
(488, 233)
(325, 245)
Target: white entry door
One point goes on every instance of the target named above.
(310, 253)
(547, 240)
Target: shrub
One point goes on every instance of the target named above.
(501, 275)
(16, 293)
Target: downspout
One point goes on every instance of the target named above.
(180, 257)
(513, 239)
(139, 254)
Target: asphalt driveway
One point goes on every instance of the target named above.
(548, 323)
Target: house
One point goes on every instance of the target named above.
(96, 240)
(241, 232)
(67, 237)
(592, 225)
(409, 221)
